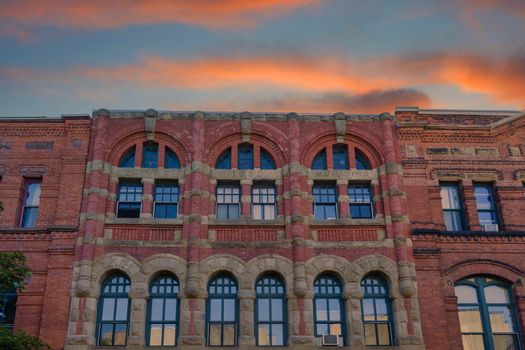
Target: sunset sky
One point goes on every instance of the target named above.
(70, 56)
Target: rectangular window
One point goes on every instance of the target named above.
(360, 198)
(486, 205)
(30, 204)
(245, 156)
(325, 202)
(340, 152)
(129, 199)
(452, 209)
(166, 200)
(264, 199)
(228, 201)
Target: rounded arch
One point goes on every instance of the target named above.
(162, 263)
(214, 264)
(104, 264)
(500, 270)
(333, 264)
(377, 264)
(268, 264)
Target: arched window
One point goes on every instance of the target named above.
(377, 311)
(245, 156)
(222, 313)
(361, 162)
(171, 161)
(150, 155)
(270, 311)
(225, 160)
(128, 159)
(113, 310)
(329, 314)
(267, 161)
(163, 311)
(340, 154)
(319, 162)
(8, 309)
(486, 314)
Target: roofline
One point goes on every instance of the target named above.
(63, 117)
(488, 112)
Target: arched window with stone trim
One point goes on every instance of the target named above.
(162, 326)
(376, 309)
(225, 160)
(150, 155)
(270, 311)
(329, 310)
(128, 159)
(113, 310)
(222, 315)
(486, 314)
(340, 156)
(267, 161)
(319, 162)
(361, 161)
(245, 156)
(171, 161)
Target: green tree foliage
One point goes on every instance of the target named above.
(20, 341)
(13, 271)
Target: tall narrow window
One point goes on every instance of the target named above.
(228, 201)
(377, 311)
(31, 203)
(129, 199)
(325, 202)
(8, 309)
(163, 311)
(171, 161)
(360, 197)
(113, 311)
(340, 152)
(222, 316)
(150, 155)
(166, 200)
(245, 154)
(267, 161)
(486, 315)
(329, 314)
(270, 311)
(225, 160)
(263, 206)
(361, 162)
(452, 207)
(128, 159)
(319, 162)
(486, 205)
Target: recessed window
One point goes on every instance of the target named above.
(340, 153)
(486, 316)
(245, 156)
(325, 202)
(163, 311)
(171, 161)
(228, 201)
(166, 200)
(263, 202)
(222, 313)
(225, 160)
(150, 155)
(267, 161)
(113, 311)
(486, 206)
(129, 199)
(128, 159)
(319, 162)
(329, 314)
(361, 162)
(377, 311)
(270, 311)
(360, 198)
(31, 202)
(452, 207)
(8, 309)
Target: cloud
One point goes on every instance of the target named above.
(18, 17)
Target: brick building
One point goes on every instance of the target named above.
(248, 230)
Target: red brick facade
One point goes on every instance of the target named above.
(79, 240)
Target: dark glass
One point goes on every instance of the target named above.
(319, 162)
(222, 311)
(270, 311)
(328, 307)
(150, 155)
(325, 202)
(486, 204)
(166, 200)
(113, 310)
(360, 197)
(129, 200)
(361, 162)
(452, 209)
(376, 309)
(245, 157)
(31, 204)
(171, 161)
(340, 153)
(163, 311)
(228, 202)
(267, 161)
(8, 309)
(128, 160)
(225, 160)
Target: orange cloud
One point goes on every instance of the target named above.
(104, 14)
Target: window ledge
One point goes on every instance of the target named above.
(417, 232)
(348, 222)
(245, 222)
(47, 229)
(144, 221)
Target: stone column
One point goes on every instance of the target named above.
(138, 295)
(342, 203)
(354, 324)
(147, 198)
(246, 319)
(246, 199)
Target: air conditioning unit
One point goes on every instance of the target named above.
(330, 340)
(491, 227)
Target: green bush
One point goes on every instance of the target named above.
(20, 341)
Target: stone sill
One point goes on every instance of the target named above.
(38, 230)
(348, 222)
(434, 232)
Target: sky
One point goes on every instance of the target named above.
(318, 56)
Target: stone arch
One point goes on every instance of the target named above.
(376, 263)
(328, 263)
(159, 263)
(223, 262)
(263, 264)
(104, 264)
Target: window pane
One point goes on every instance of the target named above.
(472, 342)
(171, 161)
(340, 153)
(120, 334)
(33, 194)
(263, 309)
(330, 212)
(257, 212)
(106, 334)
(381, 311)
(29, 217)
(319, 162)
(170, 313)
(383, 334)
(263, 334)
(229, 334)
(505, 341)
(500, 319)
(215, 310)
(483, 194)
(277, 335)
(224, 160)
(122, 310)
(233, 212)
(368, 310)
(450, 197)
(215, 335)
(269, 212)
(321, 309)
(496, 295)
(155, 335)
(156, 309)
(335, 329)
(466, 295)
(170, 331)
(229, 310)
(335, 309)
(486, 218)
(150, 155)
(370, 334)
(108, 308)
(470, 319)
(453, 220)
(277, 310)
(222, 212)
(267, 161)
(245, 157)
(321, 329)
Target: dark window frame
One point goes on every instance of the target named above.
(494, 210)
(245, 156)
(216, 282)
(173, 185)
(128, 157)
(369, 283)
(155, 294)
(267, 160)
(340, 150)
(150, 155)
(320, 204)
(263, 197)
(120, 202)
(228, 205)
(226, 158)
(28, 210)
(170, 156)
(320, 161)
(461, 208)
(361, 160)
(267, 283)
(320, 284)
(354, 203)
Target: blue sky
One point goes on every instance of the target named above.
(59, 57)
